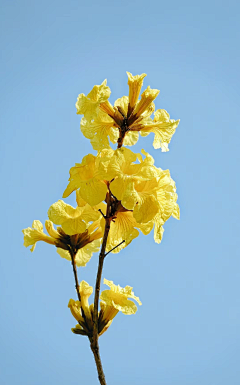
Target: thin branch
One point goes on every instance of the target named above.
(75, 274)
(102, 213)
(94, 340)
(97, 358)
(77, 287)
(114, 248)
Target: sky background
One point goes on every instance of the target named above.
(188, 329)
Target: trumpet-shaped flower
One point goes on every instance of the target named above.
(75, 308)
(114, 300)
(147, 97)
(89, 105)
(135, 84)
(35, 234)
(81, 310)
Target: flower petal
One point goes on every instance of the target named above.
(89, 105)
(163, 128)
(135, 84)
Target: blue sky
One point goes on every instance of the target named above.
(187, 330)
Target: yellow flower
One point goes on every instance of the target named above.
(135, 84)
(75, 308)
(35, 234)
(85, 291)
(75, 222)
(115, 300)
(84, 177)
(80, 309)
(147, 98)
(122, 122)
(76, 232)
(129, 180)
(163, 128)
(89, 105)
(140, 187)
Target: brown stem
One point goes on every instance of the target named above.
(94, 340)
(121, 137)
(75, 274)
(77, 287)
(101, 376)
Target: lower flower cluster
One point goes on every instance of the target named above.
(111, 302)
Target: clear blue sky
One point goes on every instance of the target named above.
(188, 329)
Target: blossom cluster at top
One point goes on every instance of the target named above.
(128, 117)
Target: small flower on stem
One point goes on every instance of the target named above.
(113, 301)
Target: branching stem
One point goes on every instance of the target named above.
(94, 340)
(75, 274)
(73, 255)
(114, 247)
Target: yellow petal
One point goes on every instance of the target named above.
(176, 212)
(84, 255)
(64, 254)
(85, 292)
(117, 297)
(123, 228)
(123, 104)
(135, 84)
(146, 209)
(107, 108)
(130, 138)
(80, 202)
(163, 128)
(89, 105)
(83, 177)
(68, 217)
(126, 291)
(35, 234)
(93, 192)
(99, 130)
(75, 308)
(158, 229)
(147, 98)
(50, 229)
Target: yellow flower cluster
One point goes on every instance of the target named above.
(128, 116)
(118, 187)
(112, 301)
(147, 193)
(80, 231)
